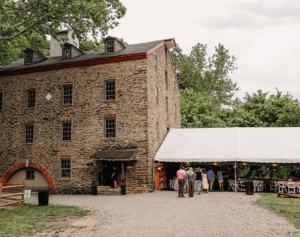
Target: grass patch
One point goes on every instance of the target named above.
(286, 207)
(33, 217)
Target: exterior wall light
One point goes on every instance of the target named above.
(215, 163)
(274, 164)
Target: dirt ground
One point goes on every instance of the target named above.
(162, 213)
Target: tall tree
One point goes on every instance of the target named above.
(209, 76)
(48, 16)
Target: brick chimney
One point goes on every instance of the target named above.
(55, 49)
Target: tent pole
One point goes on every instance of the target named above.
(235, 175)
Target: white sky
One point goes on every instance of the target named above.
(263, 35)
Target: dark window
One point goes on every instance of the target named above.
(29, 134)
(66, 52)
(157, 130)
(167, 108)
(110, 90)
(110, 46)
(67, 95)
(155, 63)
(175, 110)
(29, 174)
(166, 55)
(28, 57)
(1, 100)
(66, 129)
(166, 78)
(156, 94)
(110, 128)
(168, 130)
(65, 168)
(31, 98)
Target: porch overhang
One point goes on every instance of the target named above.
(115, 155)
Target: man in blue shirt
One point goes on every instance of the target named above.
(210, 178)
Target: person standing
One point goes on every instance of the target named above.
(198, 180)
(204, 180)
(114, 176)
(191, 179)
(186, 182)
(210, 177)
(181, 177)
(220, 179)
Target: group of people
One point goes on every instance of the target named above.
(107, 177)
(193, 179)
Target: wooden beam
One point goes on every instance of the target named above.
(11, 203)
(14, 194)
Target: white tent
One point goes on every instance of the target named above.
(255, 145)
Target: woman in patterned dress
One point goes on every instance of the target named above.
(198, 181)
(204, 180)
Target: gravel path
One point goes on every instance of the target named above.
(162, 213)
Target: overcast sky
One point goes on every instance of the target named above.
(262, 34)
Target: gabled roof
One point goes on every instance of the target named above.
(253, 145)
(88, 55)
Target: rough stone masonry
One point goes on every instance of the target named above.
(135, 109)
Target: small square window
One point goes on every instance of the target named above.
(110, 90)
(109, 46)
(31, 98)
(66, 131)
(67, 95)
(29, 174)
(65, 168)
(157, 130)
(67, 52)
(156, 94)
(1, 100)
(28, 57)
(29, 134)
(110, 127)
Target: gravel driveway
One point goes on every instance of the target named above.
(162, 213)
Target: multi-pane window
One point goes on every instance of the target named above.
(1, 100)
(157, 130)
(65, 168)
(110, 90)
(109, 46)
(31, 98)
(166, 78)
(29, 174)
(67, 94)
(66, 52)
(29, 133)
(156, 94)
(110, 127)
(175, 111)
(66, 131)
(28, 57)
(167, 108)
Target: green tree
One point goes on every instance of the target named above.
(206, 75)
(199, 111)
(259, 110)
(47, 17)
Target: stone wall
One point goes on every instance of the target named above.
(158, 112)
(135, 110)
(86, 114)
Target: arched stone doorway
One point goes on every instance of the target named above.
(10, 175)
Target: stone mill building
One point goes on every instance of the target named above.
(65, 117)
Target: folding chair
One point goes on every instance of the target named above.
(260, 186)
(231, 185)
(242, 186)
(272, 186)
(281, 187)
(291, 188)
